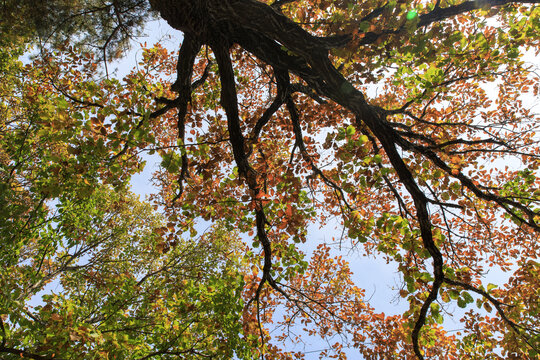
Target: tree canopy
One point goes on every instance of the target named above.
(406, 125)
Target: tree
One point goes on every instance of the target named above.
(105, 27)
(87, 271)
(377, 114)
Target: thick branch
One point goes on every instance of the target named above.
(229, 102)
(186, 59)
(387, 139)
(184, 67)
(439, 14)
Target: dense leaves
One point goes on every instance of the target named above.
(405, 125)
(104, 27)
(87, 271)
